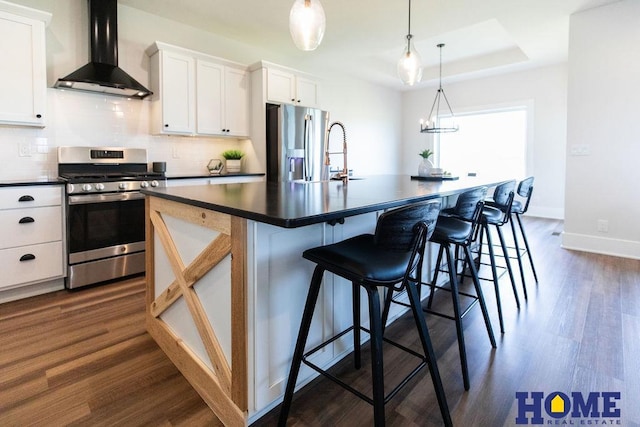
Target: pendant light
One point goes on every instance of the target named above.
(409, 64)
(432, 124)
(307, 23)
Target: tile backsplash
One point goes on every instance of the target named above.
(86, 119)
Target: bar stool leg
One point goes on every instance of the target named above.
(387, 306)
(427, 347)
(508, 264)
(305, 325)
(456, 313)
(376, 356)
(357, 353)
(481, 301)
(520, 266)
(435, 277)
(526, 244)
(494, 272)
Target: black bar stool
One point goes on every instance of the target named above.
(518, 208)
(497, 213)
(457, 228)
(392, 255)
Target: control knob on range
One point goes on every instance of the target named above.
(86, 187)
(154, 183)
(144, 184)
(122, 186)
(100, 186)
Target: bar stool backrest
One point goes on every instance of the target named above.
(467, 204)
(396, 229)
(503, 192)
(525, 189)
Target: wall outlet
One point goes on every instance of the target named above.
(580, 150)
(603, 226)
(174, 152)
(24, 150)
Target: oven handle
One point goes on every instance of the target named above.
(104, 198)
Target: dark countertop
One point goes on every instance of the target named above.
(296, 204)
(226, 175)
(31, 182)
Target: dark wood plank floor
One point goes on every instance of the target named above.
(83, 358)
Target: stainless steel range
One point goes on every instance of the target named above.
(105, 211)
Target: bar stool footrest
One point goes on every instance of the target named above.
(346, 386)
(443, 288)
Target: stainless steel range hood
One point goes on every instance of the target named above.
(102, 74)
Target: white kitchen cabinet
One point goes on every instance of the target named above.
(288, 87)
(222, 100)
(173, 82)
(23, 74)
(197, 94)
(279, 280)
(32, 247)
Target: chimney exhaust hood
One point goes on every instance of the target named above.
(102, 74)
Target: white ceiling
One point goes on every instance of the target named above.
(366, 37)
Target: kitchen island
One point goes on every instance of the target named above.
(226, 281)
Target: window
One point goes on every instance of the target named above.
(486, 143)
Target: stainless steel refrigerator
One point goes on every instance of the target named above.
(296, 143)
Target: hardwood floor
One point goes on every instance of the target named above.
(84, 358)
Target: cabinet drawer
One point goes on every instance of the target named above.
(30, 196)
(21, 227)
(39, 262)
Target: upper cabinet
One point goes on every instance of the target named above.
(23, 76)
(289, 87)
(173, 78)
(222, 99)
(197, 94)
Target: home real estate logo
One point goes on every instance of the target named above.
(557, 408)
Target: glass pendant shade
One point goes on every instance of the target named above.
(307, 23)
(410, 65)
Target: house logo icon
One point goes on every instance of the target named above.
(557, 405)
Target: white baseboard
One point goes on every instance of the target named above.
(31, 290)
(542, 212)
(601, 245)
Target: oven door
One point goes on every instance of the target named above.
(105, 236)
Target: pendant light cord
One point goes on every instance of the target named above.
(409, 17)
(409, 31)
(441, 45)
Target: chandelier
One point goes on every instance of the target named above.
(432, 124)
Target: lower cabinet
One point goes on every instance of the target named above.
(28, 264)
(278, 279)
(32, 245)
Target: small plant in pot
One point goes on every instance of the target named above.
(424, 169)
(233, 159)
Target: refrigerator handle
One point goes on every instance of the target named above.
(306, 142)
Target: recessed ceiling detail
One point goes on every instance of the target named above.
(363, 37)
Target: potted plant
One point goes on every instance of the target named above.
(424, 169)
(233, 160)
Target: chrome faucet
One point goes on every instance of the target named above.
(344, 175)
